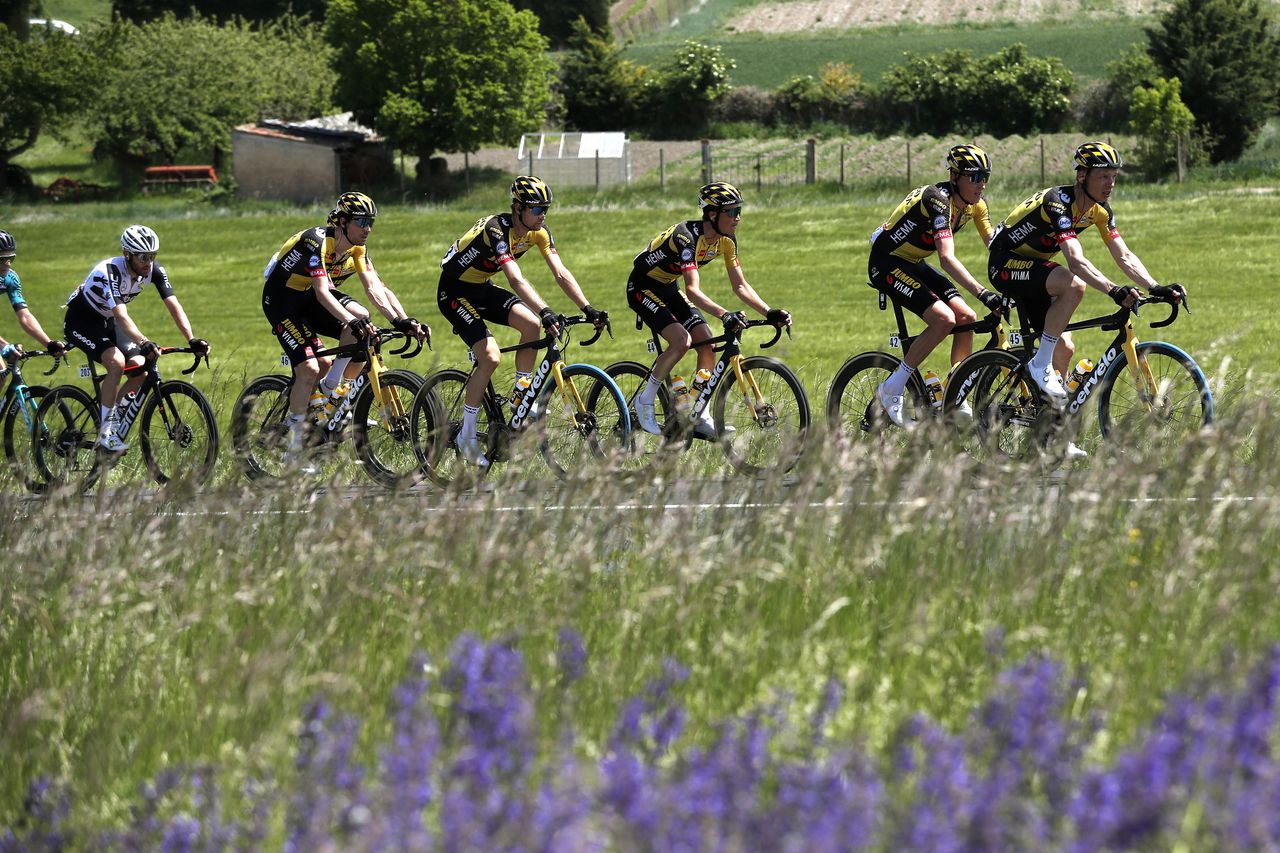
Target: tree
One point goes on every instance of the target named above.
(1107, 106)
(1226, 54)
(556, 17)
(225, 11)
(46, 81)
(1159, 118)
(601, 90)
(171, 86)
(1017, 93)
(687, 87)
(440, 75)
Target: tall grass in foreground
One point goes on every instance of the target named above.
(147, 635)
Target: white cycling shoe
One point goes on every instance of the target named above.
(705, 427)
(473, 452)
(647, 417)
(1050, 383)
(892, 405)
(112, 443)
(1075, 451)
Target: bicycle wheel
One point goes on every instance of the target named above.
(583, 422)
(259, 431)
(630, 378)
(66, 437)
(437, 447)
(19, 435)
(1161, 414)
(762, 427)
(854, 413)
(1010, 417)
(382, 433)
(178, 434)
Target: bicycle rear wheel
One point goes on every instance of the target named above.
(1158, 415)
(382, 431)
(853, 412)
(1011, 418)
(584, 422)
(66, 439)
(436, 445)
(259, 431)
(179, 434)
(19, 436)
(762, 427)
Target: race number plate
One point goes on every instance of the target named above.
(1015, 339)
(85, 372)
(895, 342)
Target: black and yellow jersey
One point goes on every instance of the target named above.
(477, 255)
(1038, 227)
(927, 213)
(683, 246)
(311, 254)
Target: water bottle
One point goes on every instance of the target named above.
(681, 392)
(700, 380)
(933, 385)
(1082, 369)
(522, 385)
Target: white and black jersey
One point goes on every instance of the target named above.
(111, 283)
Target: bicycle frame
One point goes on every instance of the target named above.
(150, 384)
(372, 375)
(1126, 342)
(992, 324)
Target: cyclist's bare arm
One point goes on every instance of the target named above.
(744, 291)
(126, 323)
(381, 296)
(179, 317)
(952, 266)
(522, 287)
(1082, 268)
(693, 290)
(322, 287)
(565, 279)
(1130, 264)
(32, 327)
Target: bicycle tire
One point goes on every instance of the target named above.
(854, 413)
(383, 440)
(19, 436)
(66, 452)
(438, 450)
(630, 377)
(1011, 419)
(576, 436)
(767, 438)
(1183, 404)
(259, 429)
(179, 434)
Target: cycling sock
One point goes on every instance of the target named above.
(1044, 355)
(470, 414)
(334, 376)
(897, 381)
(105, 413)
(650, 391)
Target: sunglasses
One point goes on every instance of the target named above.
(7, 257)
(978, 177)
(732, 211)
(363, 221)
(537, 209)
(145, 256)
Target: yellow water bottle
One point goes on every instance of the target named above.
(681, 392)
(933, 384)
(1082, 369)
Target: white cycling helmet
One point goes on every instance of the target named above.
(139, 238)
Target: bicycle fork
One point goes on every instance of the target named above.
(1144, 379)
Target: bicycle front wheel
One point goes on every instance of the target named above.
(20, 434)
(66, 437)
(381, 430)
(259, 429)
(762, 425)
(854, 413)
(1010, 417)
(630, 377)
(1165, 401)
(179, 434)
(436, 444)
(576, 433)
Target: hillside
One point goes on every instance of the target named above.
(794, 16)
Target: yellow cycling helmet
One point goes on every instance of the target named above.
(351, 205)
(968, 158)
(531, 191)
(719, 194)
(1098, 155)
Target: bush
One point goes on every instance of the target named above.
(1104, 106)
(745, 105)
(836, 96)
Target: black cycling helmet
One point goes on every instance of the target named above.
(1098, 155)
(531, 191)
(719, 194)
(968, 158)
(351, 205)
(8, 246)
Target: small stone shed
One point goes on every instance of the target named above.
(308, 161)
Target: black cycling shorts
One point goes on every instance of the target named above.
(1025, 280)
(467, 307)
(298, 320)
(914, 286)
(660, 306)
(88, 330)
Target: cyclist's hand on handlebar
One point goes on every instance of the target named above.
(149, 350)
(595, 316)
(412, 327)
(200, 346)
(778, 317)
(1170, 292)
(733, 321)
(11, 352)
(550, 321)
(361, 328)
(991, 300)
(1126, 296)
(57, 349)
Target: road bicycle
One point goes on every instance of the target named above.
(758, 406)
(177, 430)
(554, 408)
(19, 404)
(374, 413)
(852, 408)
(1149, 393)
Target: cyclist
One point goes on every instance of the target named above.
(469, 299)
(301, 300)
(11, 286)
(653, 292)
(1023, 266)
(922, 224)
(98, 321)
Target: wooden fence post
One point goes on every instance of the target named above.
(706, 161)
(1041, 159)
(811, 161)
(662, 169)
(841, 165)
(908, 163)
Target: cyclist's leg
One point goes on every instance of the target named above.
(961, 342)
(923, 291)
(1066, 291)
(343, 367)
(523, 320)
(662, 309)
(1047, 294)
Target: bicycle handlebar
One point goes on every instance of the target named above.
(751, 324)
(408, 342)
(1173, 310)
